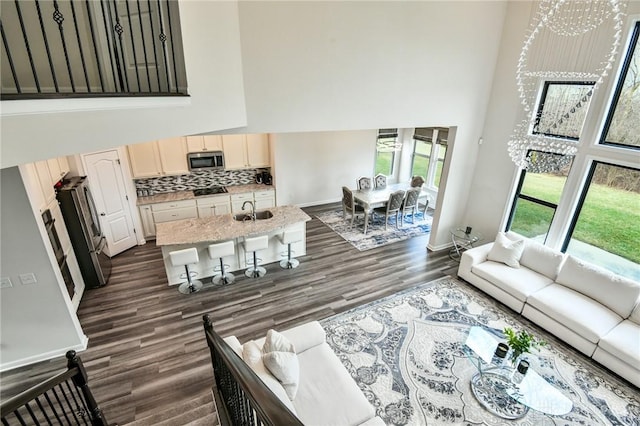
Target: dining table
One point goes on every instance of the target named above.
(377, 197)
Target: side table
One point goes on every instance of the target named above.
(462, 240)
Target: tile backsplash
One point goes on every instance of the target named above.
(195, 180)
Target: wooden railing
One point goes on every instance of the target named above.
(241, 397)
(62, 400)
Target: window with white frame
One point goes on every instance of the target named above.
(387, 145)
(429, 152)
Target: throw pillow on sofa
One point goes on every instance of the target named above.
(252, 356)
(279, 356)
(506, 251)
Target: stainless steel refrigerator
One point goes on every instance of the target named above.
(81, 217)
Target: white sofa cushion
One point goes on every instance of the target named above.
(506, 250)
(541, 259)
(599, 284)
(252, 356)
(585, 316)
(327, 394)
(305, 336)
(623, 342)
(635, 314)
(520, 282)
(279, 356)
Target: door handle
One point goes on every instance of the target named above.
(102, 214)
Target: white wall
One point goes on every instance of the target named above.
(214, 73)
(36, 322)
(311, 168)
(315, 66)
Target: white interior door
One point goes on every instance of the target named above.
(107, 185)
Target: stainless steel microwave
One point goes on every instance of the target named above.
(208, 160)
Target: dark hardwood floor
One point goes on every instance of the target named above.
(147, 359)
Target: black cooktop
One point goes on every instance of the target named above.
(210, 190)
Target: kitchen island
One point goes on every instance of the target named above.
(200, 232)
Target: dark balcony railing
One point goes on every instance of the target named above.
(64, 399)
(80, 48)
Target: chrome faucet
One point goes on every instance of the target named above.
(253, 209)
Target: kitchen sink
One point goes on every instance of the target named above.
(241, 217)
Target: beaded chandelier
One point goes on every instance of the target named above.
(565, 44)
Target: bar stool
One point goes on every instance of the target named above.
(218, 251)
(288, 237)
(253, 245)
(185, 258)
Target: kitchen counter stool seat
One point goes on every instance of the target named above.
(288, 237)
(219, 251)
(253, 244)
(185, 258)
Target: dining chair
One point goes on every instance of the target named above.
(393, 207)
(365, 183)
(350, 206)
(424, 209)
(380, 181)
(410, 204)
(417, 181)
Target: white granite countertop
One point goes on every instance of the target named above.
(224, 227)
(188, 195)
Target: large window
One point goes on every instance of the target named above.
(429, 152)
(537, 197)
(562, 109)
(622, 126)
(606, 229)
(386, 147)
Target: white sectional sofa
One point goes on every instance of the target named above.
(590, 308)
(326, 393)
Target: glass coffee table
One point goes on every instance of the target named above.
(495, 390)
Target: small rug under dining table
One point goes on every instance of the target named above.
(406, 354)
(376, 235)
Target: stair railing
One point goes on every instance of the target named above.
(64, 399)
(240, 396)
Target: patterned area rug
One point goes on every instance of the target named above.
(376, 234)
(406, 352)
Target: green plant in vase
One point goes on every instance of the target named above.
(521, 342)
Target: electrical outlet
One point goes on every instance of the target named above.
(27, 279)
(5, 282)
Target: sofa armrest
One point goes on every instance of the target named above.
(306, 336)
(472, 257)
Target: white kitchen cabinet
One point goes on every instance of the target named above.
(54, 170)
(175, 210)
(63, 162)
(246, 151)
(145, 160)
(237, 200)
(264, 199)
(235, 151)
(148, 226)
(173, 156)
(213, 206)
(46, 183)
(258, 150)
(204, 143)
(158, 158)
